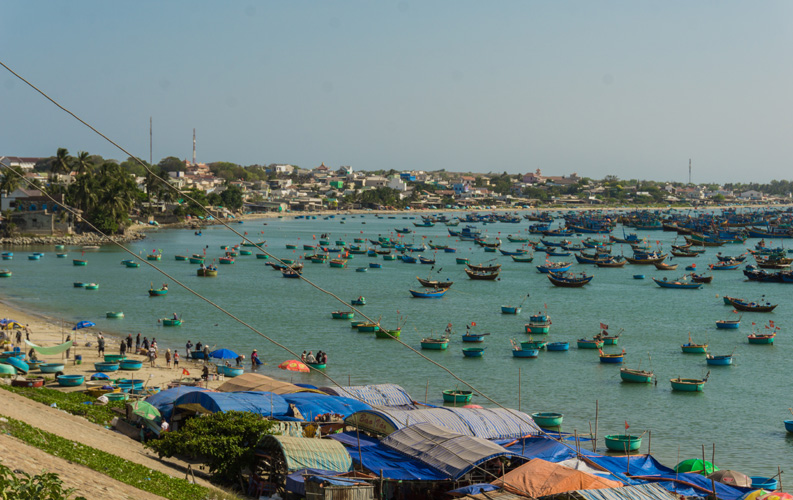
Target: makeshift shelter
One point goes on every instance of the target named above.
(265, 404)
(538, 478)
(278, 456)
(390, 395)
(636, 492)
(453, 454)
(164, 400)
(309, 406)
(486, 423)
(338, 488)
(256, 382)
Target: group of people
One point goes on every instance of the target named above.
(320, 358)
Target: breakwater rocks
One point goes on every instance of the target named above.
(74, 239)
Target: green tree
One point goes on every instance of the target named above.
(83, 163)
(62, 163)
(171, 164)
(22, 486)
(232, 198)
(10, 182)
(224, 441)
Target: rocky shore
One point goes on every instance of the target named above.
(74, 239)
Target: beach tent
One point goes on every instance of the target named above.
(306, 453)
(538, 478)
(164, 400)
(256, 382)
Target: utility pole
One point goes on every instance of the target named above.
(689, 166)
(193, 146)
(150, 141)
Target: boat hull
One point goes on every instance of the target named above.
(623, 443)
(457, 396)
(687, 385)
(547, 419)
(636, 376)
(558, 346)
(434, 345)
(473, 352)
(525, 353)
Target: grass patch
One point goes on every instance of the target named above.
(127, 472)
(71, 402)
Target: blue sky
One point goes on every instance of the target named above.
(624, 88)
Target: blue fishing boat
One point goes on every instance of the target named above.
(557, 267)
(425, 260)
(375, 265)
(589, 343)
(721, 360)
(408, 259)
(360, 301)
(473, 352)
(789, 425)
(612, 358)
(724, 324)
(558, 346)
(474, 337)
(434, 293)
(664, 283)
(510, 309)
(450, 250)
(533, 344)
(538, 323)
(525, 353)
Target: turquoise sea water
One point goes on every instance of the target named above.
(741, 410)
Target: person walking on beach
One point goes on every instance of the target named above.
(187, 347)
(153, 358)
(122, 348)
(68, 339)
(176, 359)
(168, 358)
(145, 344)
(100, 345)
(19, 337)
(137, 343)
(129, 342)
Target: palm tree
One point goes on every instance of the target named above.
(83, 162)
(61, 164)
(10, 182)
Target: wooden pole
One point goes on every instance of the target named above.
(348, 380)
(650, 444)
(519, 377)
(591, 435)
(704, 467)
(427, 391)
(577, 449)
(597, 415)
(779, 475)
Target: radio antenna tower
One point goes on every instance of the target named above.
(689, 161)
(194, 150)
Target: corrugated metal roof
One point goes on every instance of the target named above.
(305, 453)
(650, 491)
(486, 423)
(449, 452)
(375, 395)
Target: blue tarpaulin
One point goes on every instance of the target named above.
(262, 403)
(311, 404)
(296, 482)
(393, 464)
(163, 400)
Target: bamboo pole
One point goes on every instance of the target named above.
(650, 444)
(590, 436)
(427, 391)
(597, 416)
(519, 377)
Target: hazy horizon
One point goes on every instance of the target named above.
(608, 88)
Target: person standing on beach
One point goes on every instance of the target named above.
(206, 353)
(68, 339)
(187, 347)
(176, 359)
(27, 331)
(153, 358)
(129, 342)
(137, 343)
(122, 348)
(100, 345)
(168, 358)
(145, 344)
(19, 337)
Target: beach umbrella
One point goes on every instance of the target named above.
(753, 495)
(294, 365)
(145, 410)
(732, 478)
(696, 465)
(224, 354)
(6, 321)
(84, 324)
(776, 495)
(100, 376)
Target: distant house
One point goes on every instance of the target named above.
(322, 169)
(408, 176)
(279, 168)
(751, 195)
(19, 162)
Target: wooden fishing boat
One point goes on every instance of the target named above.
(434, 293)
(484, 268)
(646, 260)
(463, 260)
(623, 443)
(676, 284)
(636, 376)
(519, 251)
(482, 275)
(196, 260)
(701, 278)
(569, 280)
(719, 360)
(59, 255)
(262, 256)
(457, 396)
(156, 292)
(473, 352)
(246, 252)
(756, 338)
(360, 301)
(291, 273)
(34, 256)
(609, 339)
(226, 260)
(78, 284)
(725, 266)
(291, 246)
(5, 273)
(207, 272)
(154, 256)
(408, 259)
(612, 262)
(725, 324)
(233, 371)
(180, 257)
(389, 256)
(510, 309)
(611, 358)
(558, 267)
(434, 283)
(689, 384)
(662, 266)
(388, 334)
(538, 323)
(8, 255)
(342, 314)
(789, 425)
(548, 420)
(743, 305)
(404, 230)
(525, 353)
(533, 344)
(589, 343)
(80, 262)
(692, 348)
(368, 327)
(523, 258)
(132, 264)
(91, 286)
(425, 260)
(683, 253)
(435, 344)
(474, 337)
(375, 265)
(114, 314)
(171, 322)
(557, 346)
(517, 239)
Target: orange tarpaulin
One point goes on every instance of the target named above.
(537, 478)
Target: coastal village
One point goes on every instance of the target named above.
(200, 424)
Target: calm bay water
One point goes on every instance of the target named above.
(741, 410)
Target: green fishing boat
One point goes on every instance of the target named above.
(456, 397)
(115, 315)
(180, 257)
(171, 322)
(388, 334)
(342, 314)
(80, 262)
(368, 327)
(463, 260)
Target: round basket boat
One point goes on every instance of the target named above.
(7, 370)
(114, 314)
(117, 396)
(18, 364)
(114, 358)
(34, 365)
(28, 382)
(106, 367)
(134, 383)
(455, 396)
(623, 442)
(71, 380)
(51, 367)
(548, 419)
(130, 365)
